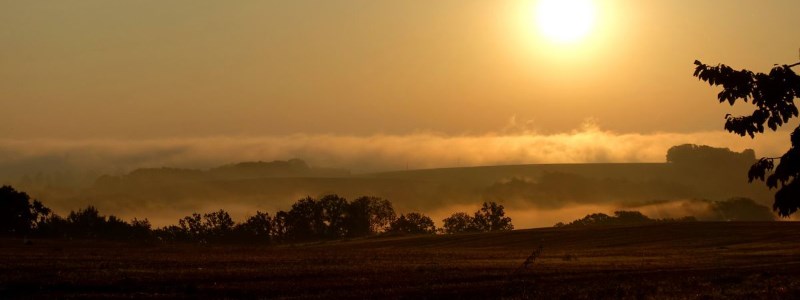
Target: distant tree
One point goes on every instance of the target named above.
(304, 220)
(215, 226)
(620, 218)
(773, 96)
(192, 227)
(89, 223)
(458, 223)
(114, 228)
(52, 225)
(741, 209)
(86, 223)
(39, 212)
(172, 233)
(258, 227)
(280, 225)
(631, 217)
(413, 223)
(140, 229)
(218, 225)
(592, 219)
(699, 156)
(369, 215)
(491, 217)
(333, 213)
(17, 214)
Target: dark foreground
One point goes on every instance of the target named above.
(682, 260)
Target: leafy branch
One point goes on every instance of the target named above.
(773, 96)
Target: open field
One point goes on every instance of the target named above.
(679, 260)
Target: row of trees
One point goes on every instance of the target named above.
(326, 218)
(330, 217)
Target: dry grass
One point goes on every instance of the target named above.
(693, 260)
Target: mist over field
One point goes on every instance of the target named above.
(515, 144)
(541, 178)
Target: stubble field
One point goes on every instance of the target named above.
(679, 260)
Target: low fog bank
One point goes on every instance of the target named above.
(604, 171)
(733, 209)
(534, 195)
(79, 162)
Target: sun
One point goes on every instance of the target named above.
(566, 21)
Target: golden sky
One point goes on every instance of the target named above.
(187, 69)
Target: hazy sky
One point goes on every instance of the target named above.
(188, 69)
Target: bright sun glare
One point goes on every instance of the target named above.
(566, 21)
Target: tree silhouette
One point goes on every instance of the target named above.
(333, 211)
(631, 217)
(217, 225)
(89, 223)
(304, 220)
(492, 217)
(192, 227)
(741, 209)
(592, 219)
(260, 227)
(280, 225)
(773, 97)
(458, 223)
(413, 223)
(86, 222)
(369, 215)
(140, 229)
(698, 157)
(17, 214)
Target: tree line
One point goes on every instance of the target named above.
(326, 218)
(620, 218)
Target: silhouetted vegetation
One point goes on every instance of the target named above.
(773, 96)
(734, 209)
(458, 223)
(740, 209)
(308, 219)
(619, 218)
(17, 214)
(413, 223)
(689, 157)
(490, 217)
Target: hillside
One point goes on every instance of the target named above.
(165, 194)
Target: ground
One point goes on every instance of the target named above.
(678, 260)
